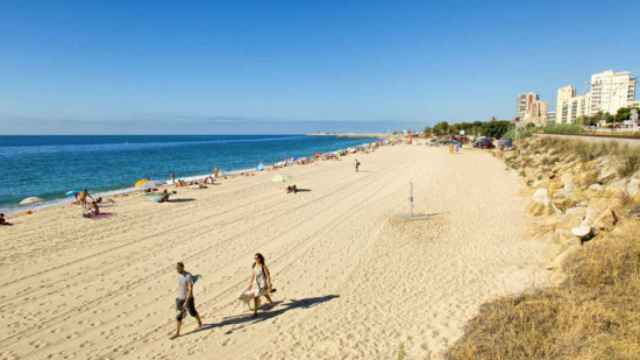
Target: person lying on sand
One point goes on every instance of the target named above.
(94, 210)
(3, 221)
(259, 285)
(184, 300)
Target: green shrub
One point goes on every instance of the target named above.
(563, 129)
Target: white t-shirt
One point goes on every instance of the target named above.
(184, 280)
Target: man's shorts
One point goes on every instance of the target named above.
(191, 307)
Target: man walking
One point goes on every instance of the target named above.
(357, 165)
(184, 299)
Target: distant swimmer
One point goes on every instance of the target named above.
(184, 299)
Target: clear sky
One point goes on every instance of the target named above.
(391, 61)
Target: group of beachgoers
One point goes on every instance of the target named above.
(260, 285)
(89, 204)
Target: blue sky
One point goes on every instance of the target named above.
(365, 61)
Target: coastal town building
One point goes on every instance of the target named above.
(531, 110)
(611, 91)
(570, 106)
(551, 117)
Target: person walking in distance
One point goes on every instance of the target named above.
(357, 165)
(184, 299)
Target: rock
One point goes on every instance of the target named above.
(606, 220)
(556, 263)
(596, 187)
(587, 178)
(541, 204)
(582, 232)
(635, 212)
(633, 187)
(617, 186)
(568, 185)
(607, 173)
(576, 211)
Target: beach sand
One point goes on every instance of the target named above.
(354, 279)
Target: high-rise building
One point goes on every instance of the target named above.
(611, 91)
(565, 94)
(551, 117)
(531, 109)
(524, 102)
(570, 107)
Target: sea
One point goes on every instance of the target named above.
(50, 166)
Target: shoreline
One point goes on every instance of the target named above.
(15, 209)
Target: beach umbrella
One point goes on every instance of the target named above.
(144, 184)
(71, 193)
(280, 178)
(31, 200)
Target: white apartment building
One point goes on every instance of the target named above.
(569, 107)
(611, 91)
(551, 117)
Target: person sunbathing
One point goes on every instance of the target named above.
(165, 196)
(94, 210)
(3, 221)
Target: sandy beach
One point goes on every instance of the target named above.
(354, 279)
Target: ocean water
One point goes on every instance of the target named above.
(49, 166)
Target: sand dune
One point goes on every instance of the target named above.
(354, 280)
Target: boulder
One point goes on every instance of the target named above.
(583, 232)
(606, 220)
(608, 172)
(617, 186)
(633, 187)
(541, 203)
(556, 263)
(587, 178)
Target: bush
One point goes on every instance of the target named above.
(517, 134)
(630, 163)
(563, 129)
(594, 314)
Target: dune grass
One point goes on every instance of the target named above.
(594, 314)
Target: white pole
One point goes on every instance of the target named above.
(411, 197)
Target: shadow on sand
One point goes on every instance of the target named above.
(248, 319)
(181, 200)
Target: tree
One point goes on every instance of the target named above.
(496, 129)
(441, 128)
(623, 114)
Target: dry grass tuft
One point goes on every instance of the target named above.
(629, 163)
(594, 314)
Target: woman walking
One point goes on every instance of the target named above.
(260, 284)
